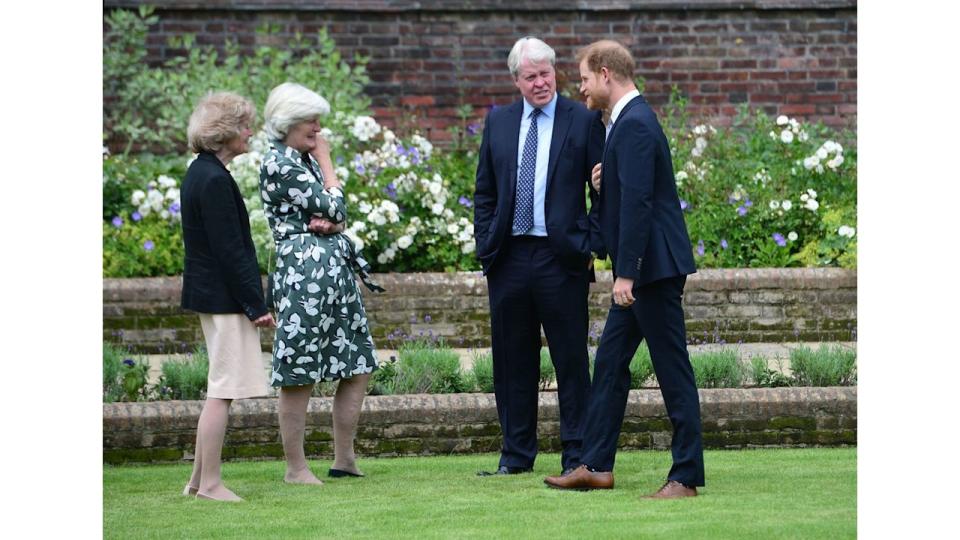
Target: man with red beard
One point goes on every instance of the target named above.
(643, 231)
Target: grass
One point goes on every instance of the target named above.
(779, 493)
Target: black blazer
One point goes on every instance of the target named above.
(640, 218)
(220, 273)
(575, 148)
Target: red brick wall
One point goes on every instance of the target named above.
(794, 57)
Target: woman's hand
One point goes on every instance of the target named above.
(265, 321)
(321, 150)
(322, 226)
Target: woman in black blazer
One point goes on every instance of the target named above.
(221, 281)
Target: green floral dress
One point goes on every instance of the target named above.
(322, 332)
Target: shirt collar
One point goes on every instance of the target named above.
(618, 108)
(547, 110)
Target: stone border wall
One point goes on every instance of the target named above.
(793, 57)
(419, 425)
(751, 305)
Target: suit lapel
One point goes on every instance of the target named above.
(561, 125)
(626, 108)
(513, 138)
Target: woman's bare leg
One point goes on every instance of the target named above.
(346, 413)
(211, 430)
(293, 419)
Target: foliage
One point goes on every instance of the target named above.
(124, 376)
(760, 373)
(481, 375)
(717, 369)
(423, 369)
(185, 379)
(150, 248)
(548, 374)
(826, 366)
(641, 366)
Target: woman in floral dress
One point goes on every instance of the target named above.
(322, 332)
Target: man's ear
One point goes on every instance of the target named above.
(605, 74)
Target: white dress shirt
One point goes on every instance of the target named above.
(618, 108)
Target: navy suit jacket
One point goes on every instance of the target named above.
(641, 223)
(576, 146)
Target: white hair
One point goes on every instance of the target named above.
(289, 104)
(532, 49)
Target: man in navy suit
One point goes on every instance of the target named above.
(643, 231)
(534, 243)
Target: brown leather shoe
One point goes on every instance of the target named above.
(673, 490)
(581, 479)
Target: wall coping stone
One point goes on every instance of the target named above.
(396, 6)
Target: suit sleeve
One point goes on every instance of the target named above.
(594, 156)
(485, 191)
(219, 211)
(635, 147)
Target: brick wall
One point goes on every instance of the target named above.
(410, 425)
(753, 305)
(794, 57)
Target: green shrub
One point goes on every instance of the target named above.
(185, 379)
(481, 374)
(124, 376)
(760, 373)
(425, 369)
(641, 366)
(827, 366)
(548, 374)
(717, 369)
(151, 248)
(382, 381)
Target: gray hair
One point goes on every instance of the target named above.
(289, 104)
(532, 49)
(217, 119)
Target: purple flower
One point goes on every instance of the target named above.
(473, 129)
(339, 160)
(174, 208)
(427, 318)
(700, 250)
(779, 239)
(391, 190)
(148, 245)
(414, 155)
(748, 203)
(401, 151)
(684, 204)
(360, 168)
(136, 216)
(117, 221)
(465, 202)
(128, 362)
(742, 210)
(723, 243)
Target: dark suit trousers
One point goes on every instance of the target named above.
(657, 316)
(528, 288)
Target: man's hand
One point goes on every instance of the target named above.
(265, 321)
(595, 177)
(590, 262)
(322, 226)
(623, 292)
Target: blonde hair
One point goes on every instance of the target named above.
(218, 118)
(611, 55)
(532, 49)
(289, 104)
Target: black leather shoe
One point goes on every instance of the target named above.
(337, 473)
(503, 469)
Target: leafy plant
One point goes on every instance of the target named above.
(185, 379)
(641, 366)
(760, 373)
(826, 366)
(481, 375)
(548, 374)
(717, 369)
(124, 376)
(424, 369)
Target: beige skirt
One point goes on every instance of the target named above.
(237, 369)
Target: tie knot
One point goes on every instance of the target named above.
(535, 113)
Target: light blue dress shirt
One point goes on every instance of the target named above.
(544, 137)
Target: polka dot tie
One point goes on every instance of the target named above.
(523, 212)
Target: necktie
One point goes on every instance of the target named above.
(523, 213)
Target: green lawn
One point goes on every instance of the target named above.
(794, 493)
